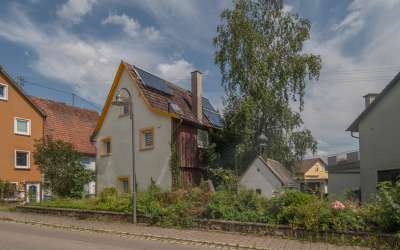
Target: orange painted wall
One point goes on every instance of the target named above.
(17, 106)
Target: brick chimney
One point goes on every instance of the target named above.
(197, 95)
(369, 98)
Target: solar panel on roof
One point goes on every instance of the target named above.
(153, 81)
(207, 105)
(213, 117)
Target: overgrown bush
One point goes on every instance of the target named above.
(7, 190)
(177, 208)
(244, 205)
(383, 214)
(283, 207)
(318, 215)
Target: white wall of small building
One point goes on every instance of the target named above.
(150, 164)
(258, 176)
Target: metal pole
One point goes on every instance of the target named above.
(118, 102)
(133, 162)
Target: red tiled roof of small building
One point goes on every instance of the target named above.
(70, 124)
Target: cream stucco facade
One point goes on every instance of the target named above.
(151, 164)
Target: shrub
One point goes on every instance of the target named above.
(319, 215)
(283, 207)
(7, 190)
(383, 214)
(244, 205)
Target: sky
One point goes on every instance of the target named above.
(76, 46)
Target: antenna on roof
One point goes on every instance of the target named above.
(20, 80)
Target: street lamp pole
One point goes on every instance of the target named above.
(121, 101)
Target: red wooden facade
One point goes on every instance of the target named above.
(186, 142)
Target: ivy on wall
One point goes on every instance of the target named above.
(175, 166)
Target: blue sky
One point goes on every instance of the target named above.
(76, 45)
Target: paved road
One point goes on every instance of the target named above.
(20, 237)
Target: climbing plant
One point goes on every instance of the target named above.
(175, 166)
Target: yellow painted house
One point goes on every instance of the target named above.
(312, 175)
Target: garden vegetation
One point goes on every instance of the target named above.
(289, 207)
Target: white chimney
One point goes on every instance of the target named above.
(197, 95)
(369, 98)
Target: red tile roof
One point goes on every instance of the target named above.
(180, 97)
(70, 124)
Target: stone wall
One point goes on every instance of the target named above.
(376, 241)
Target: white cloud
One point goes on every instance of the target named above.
(88, 65)
(177, 71)
(348, 74)
(287, 8)
(74, 10)
(131, 27)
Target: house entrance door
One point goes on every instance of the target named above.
(33, 192)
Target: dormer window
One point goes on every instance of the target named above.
(3, 92)
(175, 108)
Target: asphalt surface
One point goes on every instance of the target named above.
(22, 236)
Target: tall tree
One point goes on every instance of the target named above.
(264, 72)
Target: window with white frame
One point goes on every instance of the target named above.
(3, 92)
(22, 159)
(22, 126)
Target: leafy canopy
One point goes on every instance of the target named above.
(264, 72)
(61, 165)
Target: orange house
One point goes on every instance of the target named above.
(21, 123)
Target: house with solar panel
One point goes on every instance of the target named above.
(167, 120)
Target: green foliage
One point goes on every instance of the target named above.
(383, 213)
(224, 179)
(7, 190)
(240, 206)
(63, 172)
(177, 208)
(283, 207)
(175, 166)
(289, 207)
(319, 215)
(259, 53)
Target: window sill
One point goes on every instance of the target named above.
(105, 155)
(147, 148)
(21, 134)
(22, 168)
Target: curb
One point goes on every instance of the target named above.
(138, 235)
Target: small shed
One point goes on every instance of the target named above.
(267, 177)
